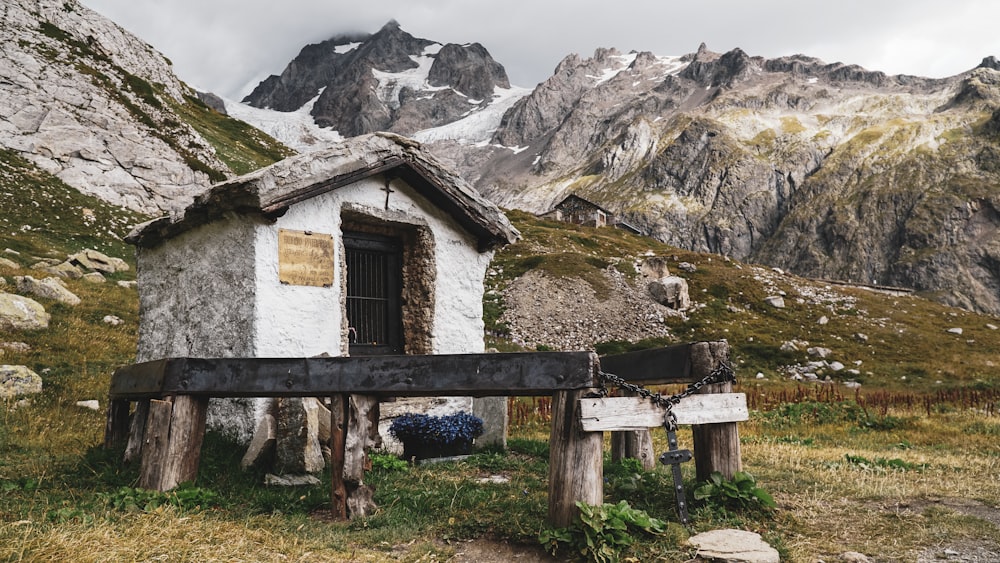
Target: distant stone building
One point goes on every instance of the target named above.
(575, 209)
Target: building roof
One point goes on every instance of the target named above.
(584, 200)
(271, 190)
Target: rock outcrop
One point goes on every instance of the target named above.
(90, 103)
(48, 288)
(18, 380)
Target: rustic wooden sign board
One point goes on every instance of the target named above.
(636, 413)
(305, 258)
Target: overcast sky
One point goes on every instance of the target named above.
(228, 46)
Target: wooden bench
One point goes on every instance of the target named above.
(166, 427)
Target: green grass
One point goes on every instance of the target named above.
(240, 146)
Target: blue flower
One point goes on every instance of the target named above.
(460, 427)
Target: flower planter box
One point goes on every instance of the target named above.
(427, 437)
(418, 450)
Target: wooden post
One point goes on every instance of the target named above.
(576, 471)
(174, 433)
(136, 431)
(633, 444)
(154, 447)
(716, 446)
(116, 426)
(362, 432)
(338, 425)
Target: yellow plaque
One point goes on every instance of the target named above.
(305, 258)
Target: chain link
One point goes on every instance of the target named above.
(721, 374)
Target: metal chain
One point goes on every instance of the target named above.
(721, 374)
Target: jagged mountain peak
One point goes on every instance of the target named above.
(387, 81)
(825, 169)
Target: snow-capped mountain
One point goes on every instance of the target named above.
(386, 81)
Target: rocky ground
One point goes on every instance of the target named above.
(568, 314)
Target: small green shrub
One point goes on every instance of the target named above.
(739, 494)
(388, 462)
(895, 463)
(601, 533)
(815, 412)
(185, 497)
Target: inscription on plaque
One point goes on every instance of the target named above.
(305, 258)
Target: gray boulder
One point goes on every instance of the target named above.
(655, 267)
(18, 380)
(776, 301)
(671, 291)
(733, 546)
(49, 288)
(62, 269)
(22, 313)
(98, 262)
(10, 264)
(819, 352)
(297, 448)
(94, 277)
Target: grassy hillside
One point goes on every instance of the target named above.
(901, 342)
(240, 146)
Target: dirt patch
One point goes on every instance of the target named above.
(965, 550)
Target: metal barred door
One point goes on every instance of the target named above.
(374, 282)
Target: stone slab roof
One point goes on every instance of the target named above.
(271, 190)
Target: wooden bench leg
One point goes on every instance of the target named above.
(137, 431)
(716, 446)
(634, 444)
(339, 406)
(576, 471)
(175, 429)
(116, 427)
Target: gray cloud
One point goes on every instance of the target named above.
(227, 46)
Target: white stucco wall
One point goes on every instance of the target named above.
(295, 320)
(306, 321)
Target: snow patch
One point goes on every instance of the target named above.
(295, 129)
(390, 84)
(609, 73)
(478, 126)
(345, 48)
(673, 65)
